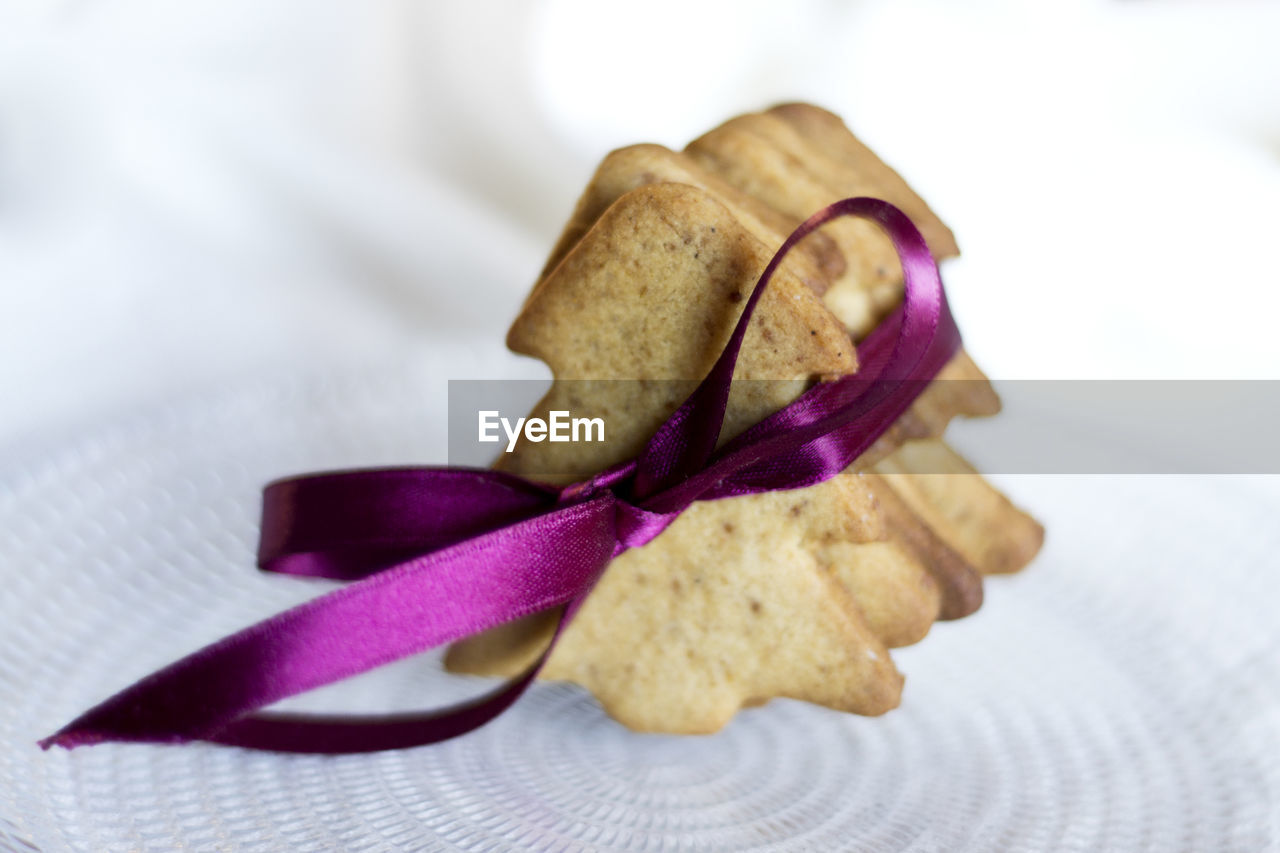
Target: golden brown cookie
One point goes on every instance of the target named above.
(652, 292)
(798, 159)
(730, 605)
(674, 245)
(796, 593)
(816, 261)
(964, 509)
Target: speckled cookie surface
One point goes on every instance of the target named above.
(798, 593)
(797, 158)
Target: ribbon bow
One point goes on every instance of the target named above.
(437, 554)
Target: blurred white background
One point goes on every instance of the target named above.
(191, 194)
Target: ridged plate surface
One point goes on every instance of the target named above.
(1121, 694)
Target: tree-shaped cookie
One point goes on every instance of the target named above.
(796, 593)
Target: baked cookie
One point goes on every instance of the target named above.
(798, 593)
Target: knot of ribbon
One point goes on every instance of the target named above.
(433, 555)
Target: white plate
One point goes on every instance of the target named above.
(1121, 694)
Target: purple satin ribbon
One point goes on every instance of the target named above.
(437, 554)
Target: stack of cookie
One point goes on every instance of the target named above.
(798, 593)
